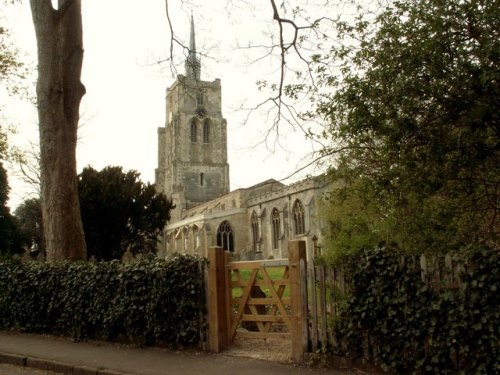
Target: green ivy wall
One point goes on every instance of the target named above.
(149, 302)
(412, 328)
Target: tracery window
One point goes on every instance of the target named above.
(298, 218)
(206, 131)
(276, 224)
(255, 231)
(225, 236)
(194, 130)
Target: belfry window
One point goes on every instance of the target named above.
(225, 236)
(298, 218)
(206, 131)
(255, 232)
(275, 220)
(200, 99)
(194, 131)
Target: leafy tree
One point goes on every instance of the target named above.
(414, 119)
(59, 92)
(120, 212)
(29, 218)
(12, 72)
(9, 239)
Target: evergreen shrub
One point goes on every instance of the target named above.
(148, 302)
(414, 328)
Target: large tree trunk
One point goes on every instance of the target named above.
(59, 92)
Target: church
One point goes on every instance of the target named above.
(193, 170)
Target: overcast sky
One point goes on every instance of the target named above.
(125, 100)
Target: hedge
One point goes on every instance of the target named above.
(147, 302)
(416, 329)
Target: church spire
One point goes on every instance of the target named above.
(192, 65)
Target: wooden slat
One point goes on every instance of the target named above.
(277, 299)
(257, 264)
(263, 318)
(314, 308)
(246, 295)
(448, 272)
(330, 307)
(260, 301)
(304, 301)
(243, 283)
(229, 291)
(281, 290)
(322, 304)
(423, 268)
(261, 335)
(255, 313)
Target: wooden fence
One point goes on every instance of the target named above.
(326, 290)
(316, 295)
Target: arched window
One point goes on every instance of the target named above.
(196, 238)
(255, 231)
(275, 220)
(202, 179)
(298, 218)
(206, 131)
(185, 236)
(225, 236)
(194, 130)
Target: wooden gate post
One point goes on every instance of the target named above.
(297, 268)
(217, 309)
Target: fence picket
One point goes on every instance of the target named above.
(305, 304)
(448, 272)
(331, 308)
(322, 305)
(314, 308)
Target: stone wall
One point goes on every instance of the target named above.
(238, 207)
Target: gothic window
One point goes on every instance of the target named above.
(200, 99)
(194, 130)
(225, 236)
(196, 238)
(185, 236)
(255, 231)
(206, 131)
(275, 220)
(298, 218)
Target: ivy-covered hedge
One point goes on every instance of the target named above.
(147, 302)
(419, 330)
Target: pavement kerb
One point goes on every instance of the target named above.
(55, 366)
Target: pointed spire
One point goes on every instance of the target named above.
(192, 65)
(192, 39)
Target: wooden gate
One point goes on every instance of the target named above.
(258, 294)
(257, 299)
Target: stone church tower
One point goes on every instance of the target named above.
(192, 147)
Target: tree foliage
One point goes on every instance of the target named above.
(12, 74)
(120, 212)
(9, 239)
(29, 219)
(414, 119)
